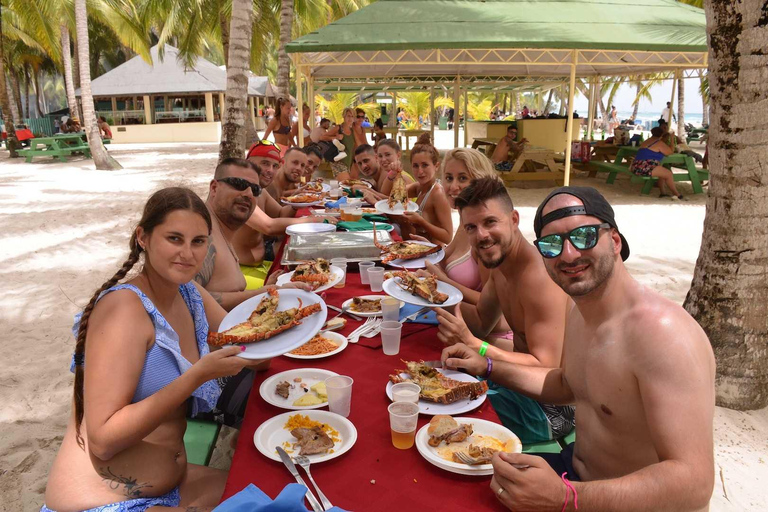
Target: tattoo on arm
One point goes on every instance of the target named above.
(131, 487)
(206, 273)
(217, 297)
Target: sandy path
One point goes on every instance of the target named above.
(65, 230)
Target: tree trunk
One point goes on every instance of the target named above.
(5, 104)
(233, 129)
(39, 94)
(101, 158)
(69, 84)
(704, 106)
(19, 112)
(729, 292)
(224, 24)
(549, 101)
(635, 109)
(681, 108)
(76, 65)
(25, 76)
(283, 62)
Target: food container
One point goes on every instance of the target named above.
(354, 246)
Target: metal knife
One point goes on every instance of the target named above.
(344, 312)
(295, 472)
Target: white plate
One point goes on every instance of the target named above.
(393, 289)
(481, 427)
(434, 258)
(335, 337)
(309, 228)
(302, 205)
(309, 376)
(271, 434)
(383, 207)
(460, 407)
(287, 340)
(336, 275)
(322, 211)
(348, 303)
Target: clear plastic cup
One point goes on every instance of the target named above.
(376, 278)
(406, 392)
(339, 389)
(334, 183)
(342, 264)
(390, 337)
(364, 266)
(390, 309)
(403, 419)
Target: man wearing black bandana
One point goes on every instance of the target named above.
(638, 367)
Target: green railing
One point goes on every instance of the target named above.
(40, 126)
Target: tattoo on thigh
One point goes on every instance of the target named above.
(131, 487)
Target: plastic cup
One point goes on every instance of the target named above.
(335, 193)
(334, 184)
(339, 389)
(390, 337)
(406, 392)
(364, 266)
(376, 278)
(403, 419)
(342, 264)
(390, 309)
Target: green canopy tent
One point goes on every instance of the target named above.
(465, 39)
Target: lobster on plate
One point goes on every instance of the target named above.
(424, 287)
(314, 272)
(403, 250)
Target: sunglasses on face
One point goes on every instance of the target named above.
(241, 184)
(361, 117)
(582, 238)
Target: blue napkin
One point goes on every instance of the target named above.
(336, 204)
(430, 317)
(253, 499)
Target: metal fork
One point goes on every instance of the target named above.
(303, 461)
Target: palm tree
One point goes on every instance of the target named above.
(66, 62)
(681, 107)
(101, 158)
(729, 292)
(283, 62)
(233, 128)
(10, 130)
(417, 105)
(332, 106)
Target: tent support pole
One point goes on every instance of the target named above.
(591, 116)
(392, 121)
(569, 120)
(432, 113)
(466, 116)
(672, 101)
(312, 106)
(300, 107)
(456, 108)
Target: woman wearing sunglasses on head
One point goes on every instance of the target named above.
(141, 363)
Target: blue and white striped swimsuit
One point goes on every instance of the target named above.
(164, 362)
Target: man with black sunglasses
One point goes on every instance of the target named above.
(638, 367)
(519, 291)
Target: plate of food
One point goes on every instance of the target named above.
(352, 183)
(271, 324)
(302, 199)
(366, 305)
(322, 345)
(296, 390)
(318, 273)
(309, 228)
(397, 208)
(315, 187)
(442, 391)
(464, 445)
(320, 435)
(421, 291)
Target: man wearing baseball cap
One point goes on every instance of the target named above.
(266, 155)
(639, 369)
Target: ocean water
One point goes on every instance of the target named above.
(646, 118)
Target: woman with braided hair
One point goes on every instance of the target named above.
(141, 362)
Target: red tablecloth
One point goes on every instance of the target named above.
(403, 479)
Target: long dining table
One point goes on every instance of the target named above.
(373, 475)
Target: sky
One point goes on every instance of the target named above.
(661, 95)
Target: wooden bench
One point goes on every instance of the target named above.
(59, 147)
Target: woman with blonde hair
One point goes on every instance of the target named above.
(342, 170)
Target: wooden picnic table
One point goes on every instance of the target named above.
(408, 134)
(488, 145)
(59, 146)
(677, 160)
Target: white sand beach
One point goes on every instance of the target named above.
(66, 228)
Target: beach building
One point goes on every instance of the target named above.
(167, 102)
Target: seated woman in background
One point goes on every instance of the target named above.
(433, 221)
(147, 364)
(648, 159)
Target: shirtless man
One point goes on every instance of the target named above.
(371, 171)
(231, 200)
(500, 157)
(289, 176)
(639, 368)
(519, 290)
(314, 157)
